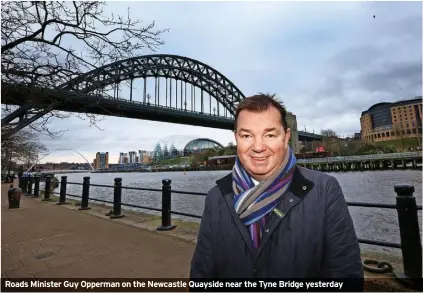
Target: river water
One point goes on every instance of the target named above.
(370, 186)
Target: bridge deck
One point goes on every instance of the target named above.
(43, 240)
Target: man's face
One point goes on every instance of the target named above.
(261, 142)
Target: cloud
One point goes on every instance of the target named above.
(327, 61)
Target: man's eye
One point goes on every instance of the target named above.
(271, 135)
(245, 136)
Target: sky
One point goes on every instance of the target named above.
(327, 61)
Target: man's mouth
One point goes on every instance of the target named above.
(259, 159)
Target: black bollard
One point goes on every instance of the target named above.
(117, 200)
(37, 186)
(62, 197)
(24, 185)
(85, 194)
(30, 181)
(47, 188)
(14, 196)
(410, 237)
(166, 209)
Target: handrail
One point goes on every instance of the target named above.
(354, 204)
(362, 157)
(406, 207)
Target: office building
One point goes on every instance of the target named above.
(132, 156)
(391, 121)
(101, 160)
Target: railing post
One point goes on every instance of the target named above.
(24, 185)
(37, 186)
(85, 194)
(62, 197)
(30, 181)
(166, 209)
(410, 236)
(47, 188)
(117, 200)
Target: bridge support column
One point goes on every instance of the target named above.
(404, 164)
(393, 164)
(414, 164)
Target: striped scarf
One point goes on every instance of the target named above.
(253, 202)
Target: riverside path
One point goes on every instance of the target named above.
(42, 240)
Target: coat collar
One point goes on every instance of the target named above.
(300, 185)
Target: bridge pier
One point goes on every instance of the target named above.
(404, 164)
(414, 164)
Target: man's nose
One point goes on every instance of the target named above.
(258, 146)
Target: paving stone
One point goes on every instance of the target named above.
(50, 241)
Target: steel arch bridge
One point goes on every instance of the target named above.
(210, 99)
(182, 69)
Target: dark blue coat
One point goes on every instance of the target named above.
(314, 239)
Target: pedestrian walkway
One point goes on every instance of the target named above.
(43, 240)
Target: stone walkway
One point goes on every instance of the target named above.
(43, 240)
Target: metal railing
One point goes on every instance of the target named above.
(406, 207)
(405, 155)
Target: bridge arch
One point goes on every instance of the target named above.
(166, 66)
(92, 168)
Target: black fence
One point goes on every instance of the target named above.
(406, 207)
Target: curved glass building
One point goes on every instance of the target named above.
(182, 145)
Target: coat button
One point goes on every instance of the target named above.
(304, 187)
(291, 200)
(267, 230)
(254, 272)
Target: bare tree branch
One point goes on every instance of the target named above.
(46, 44)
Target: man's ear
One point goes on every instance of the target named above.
(287, 136)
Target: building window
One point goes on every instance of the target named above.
(387, 134)
(414, 131)
(383, 134)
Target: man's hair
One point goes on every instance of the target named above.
(259, 103)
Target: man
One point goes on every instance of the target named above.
(271, 218)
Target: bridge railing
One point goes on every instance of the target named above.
(362, 157)
(406, 206)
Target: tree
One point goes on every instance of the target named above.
(46, 44)
(24, 148)
(330, 141)
(399, 132)
(165, 151)
(173, 151)
(328, 133)
(157, 155)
